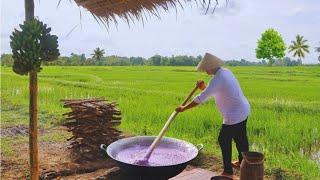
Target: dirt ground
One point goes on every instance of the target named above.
(56, 162)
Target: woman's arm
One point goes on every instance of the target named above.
(188, 106)
(204, 96)
(201, 85)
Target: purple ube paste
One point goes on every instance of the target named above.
(161, 156)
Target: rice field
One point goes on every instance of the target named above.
(284, 122)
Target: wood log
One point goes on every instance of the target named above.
(68, 103)
(92, 122)
(97, 98)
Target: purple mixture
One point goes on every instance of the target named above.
(161, 156)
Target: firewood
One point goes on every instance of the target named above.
(92, 122)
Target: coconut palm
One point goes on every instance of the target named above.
(318, 50)
(299, 47)
(98, 54)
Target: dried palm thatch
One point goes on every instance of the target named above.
(107, 11)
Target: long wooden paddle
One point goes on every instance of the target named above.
(165, 128)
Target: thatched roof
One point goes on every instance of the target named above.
(130, 10)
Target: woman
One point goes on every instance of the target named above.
(232, 104)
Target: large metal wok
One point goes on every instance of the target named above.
(154, 171)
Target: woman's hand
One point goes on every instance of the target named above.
(201, 85)
(188, 106)
(180, 108)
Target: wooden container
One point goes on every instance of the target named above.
(251, 167)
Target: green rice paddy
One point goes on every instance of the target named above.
(284, 123)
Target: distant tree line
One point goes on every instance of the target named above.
(81, 60)
(156, 60)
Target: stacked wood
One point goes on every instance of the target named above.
(92, 122)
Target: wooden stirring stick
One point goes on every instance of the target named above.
(165, 128)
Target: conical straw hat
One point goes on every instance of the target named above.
(209, 61)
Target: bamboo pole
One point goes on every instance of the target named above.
(33, 107)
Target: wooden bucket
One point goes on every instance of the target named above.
(251, 167)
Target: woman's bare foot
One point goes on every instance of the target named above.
(236, 165)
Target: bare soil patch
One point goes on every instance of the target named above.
(21, 130)
(18, 130)
(56, 160)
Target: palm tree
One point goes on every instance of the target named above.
(98, 54)
(299, 47)
(318, 50)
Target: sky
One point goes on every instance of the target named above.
(231, 32)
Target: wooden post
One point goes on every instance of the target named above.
(33, 126)
(33, 107)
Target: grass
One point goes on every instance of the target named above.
(284, 120)
(7, 144)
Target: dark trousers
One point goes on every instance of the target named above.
(237, 132)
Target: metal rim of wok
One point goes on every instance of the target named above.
(141, 139)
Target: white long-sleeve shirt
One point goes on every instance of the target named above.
(231, 102)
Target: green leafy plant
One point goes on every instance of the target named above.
(299, 47)
(31, 45)
(270, 46)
